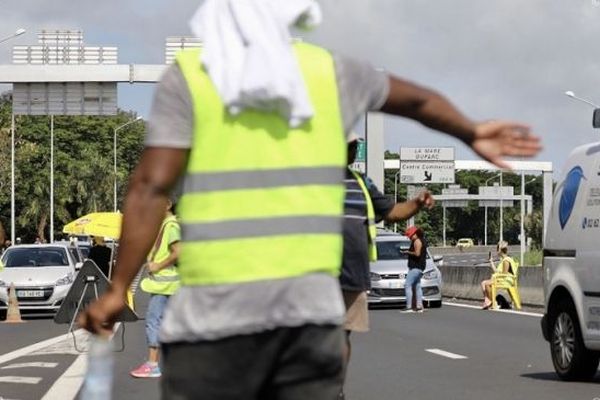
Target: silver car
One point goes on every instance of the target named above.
(388, 273)
(42, 275)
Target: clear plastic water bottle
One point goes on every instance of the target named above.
(99, 377)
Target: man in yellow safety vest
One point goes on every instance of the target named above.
(364, 206)
(259, 138)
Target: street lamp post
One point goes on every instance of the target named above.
(12, 178)
(18, 32)
(573, 96)
(115, 159)
(522, 232)
(396, 176)
(51, 178)
(501, 210)
(486, 211)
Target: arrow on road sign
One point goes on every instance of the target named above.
(428, 176)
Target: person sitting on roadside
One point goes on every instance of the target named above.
(507, 265)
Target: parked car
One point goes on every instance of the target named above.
(388, 273)
(464, 243)
(571, 322)
(80, 250)
(42, 275)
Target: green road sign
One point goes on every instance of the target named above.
(361, 152)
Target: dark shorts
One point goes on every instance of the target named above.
(303, 363)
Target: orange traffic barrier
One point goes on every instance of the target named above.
(13, 314)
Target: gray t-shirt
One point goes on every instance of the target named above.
(361, 88)
(213, 312)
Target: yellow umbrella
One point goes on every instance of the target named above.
(107, 224)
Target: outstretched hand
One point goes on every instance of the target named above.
(495, 140)
(425, 199)
(100, 316)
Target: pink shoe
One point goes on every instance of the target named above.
(146, 371)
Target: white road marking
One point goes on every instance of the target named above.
(32, 348)
(67, 346)
(447, 354)
(69, 383)
(31, 380)
(31, 365)
(516, 312)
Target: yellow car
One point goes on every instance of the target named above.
(464, 243)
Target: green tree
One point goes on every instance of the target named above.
(83, 166)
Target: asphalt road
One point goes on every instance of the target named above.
(15, 336)
(506, 357)
(496, 355)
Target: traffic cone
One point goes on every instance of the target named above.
(13, 315)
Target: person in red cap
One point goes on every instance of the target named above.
(416, 265)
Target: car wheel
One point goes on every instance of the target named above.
(572, 361)
(434, 304)
(2, 315)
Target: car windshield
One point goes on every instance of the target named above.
(74, 254)
(36, 257)
(85, 251)
(390, 250)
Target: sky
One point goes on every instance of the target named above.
(495, 59)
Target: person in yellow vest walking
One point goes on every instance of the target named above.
(162, 282)
(255, 122)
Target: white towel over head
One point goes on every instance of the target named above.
(248, 55)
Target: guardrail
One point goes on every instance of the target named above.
(475, 249)
(463, 282)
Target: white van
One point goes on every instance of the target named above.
(572, 268)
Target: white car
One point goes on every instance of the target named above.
(388, 273)
(41, 273)
(571, 323)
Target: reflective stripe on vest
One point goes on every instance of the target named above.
(261, 227)
(262, 200)
(216, 181)
(164, 278)
(372, 228)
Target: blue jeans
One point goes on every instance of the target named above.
(413, 279)
(154, 314)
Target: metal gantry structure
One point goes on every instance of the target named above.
(62, 76)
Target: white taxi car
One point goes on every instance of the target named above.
(41, 273)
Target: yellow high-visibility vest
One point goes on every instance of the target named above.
(372, 228)
(262, 200)
(166, 281)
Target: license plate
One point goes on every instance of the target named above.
(394, 285)
(30, 293)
